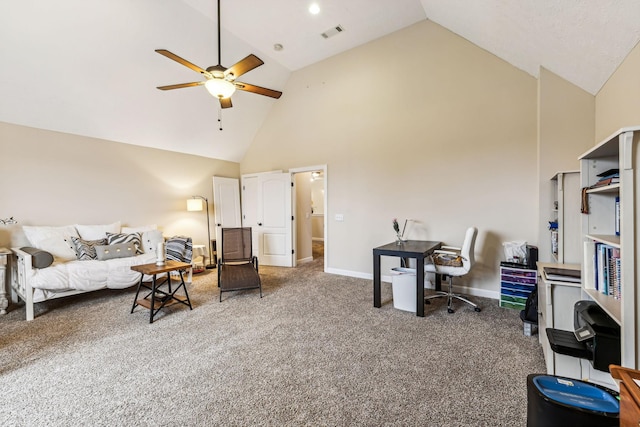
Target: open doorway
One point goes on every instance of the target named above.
(309, 207)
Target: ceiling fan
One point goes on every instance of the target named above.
(220, 81)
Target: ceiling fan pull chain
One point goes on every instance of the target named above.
(220, 118)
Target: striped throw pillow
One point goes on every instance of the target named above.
(86, 249)
(135, 238)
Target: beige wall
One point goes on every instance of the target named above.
(618, 102)
(566, 130)
(52, 178)
(420, 124)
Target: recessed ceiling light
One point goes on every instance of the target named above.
(314, 9)
(278, 47)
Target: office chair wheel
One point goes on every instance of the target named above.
(478, 309)
(450, 310)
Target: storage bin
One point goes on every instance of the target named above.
(558, 401)
(403, 283)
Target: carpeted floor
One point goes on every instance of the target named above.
(314, 351)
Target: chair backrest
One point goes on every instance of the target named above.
(468, 248)
(236, 244)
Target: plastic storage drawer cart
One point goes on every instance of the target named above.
(558, 401)
(516, 283)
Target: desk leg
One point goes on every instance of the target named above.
(420, 286)
(438, 282)
(376, 281)
(153, 298)
(135, 299)
(184, 286)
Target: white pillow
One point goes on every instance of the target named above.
(55, 240)
(140, 229)
(97, 232)
(150, 240)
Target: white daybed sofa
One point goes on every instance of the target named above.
(67, 274)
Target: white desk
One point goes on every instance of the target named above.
(555, 310)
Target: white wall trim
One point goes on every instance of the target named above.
(484, 293)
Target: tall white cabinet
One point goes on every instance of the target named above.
(620, 151)
(566, 242)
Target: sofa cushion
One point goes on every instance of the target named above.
(39, 258)
(117, 250)
(55, 240)
(86, 249)
(95, 232)
(134, 238)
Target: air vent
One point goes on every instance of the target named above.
(332, 32)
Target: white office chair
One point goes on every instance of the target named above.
(453, 262)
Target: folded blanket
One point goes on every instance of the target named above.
(179, 248)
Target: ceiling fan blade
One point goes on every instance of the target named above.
(180, 85)
(257, 89)
(182, 61)
(225, 103)
(244, 65)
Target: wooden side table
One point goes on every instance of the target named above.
(629, 395)
(4, 262)
(158, 298)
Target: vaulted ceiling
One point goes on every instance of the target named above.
(88, 67)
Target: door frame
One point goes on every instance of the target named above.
(294, 242)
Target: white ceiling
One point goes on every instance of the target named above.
(88, 67)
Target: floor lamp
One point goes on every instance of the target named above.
(195, 204)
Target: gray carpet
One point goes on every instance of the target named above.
(313, 351)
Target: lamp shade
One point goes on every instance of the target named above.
(220, 88)
(194, 204)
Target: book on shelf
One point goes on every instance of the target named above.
(617, 216)
(607, 275)
(606, 181)
(608, 177)
(562, 274)
(608, 173)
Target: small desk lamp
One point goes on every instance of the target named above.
(195, 204)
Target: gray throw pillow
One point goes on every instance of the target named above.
(119, 250)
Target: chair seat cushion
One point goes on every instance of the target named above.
(238, 276)
(448, 260)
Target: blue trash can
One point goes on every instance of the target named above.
(560, 401)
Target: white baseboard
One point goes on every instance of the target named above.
(484, 293)
(303, 260)
(317, 239)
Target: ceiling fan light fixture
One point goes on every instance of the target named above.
(220, 88)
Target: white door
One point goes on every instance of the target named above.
(226, 204)
(274, 219)
(266, 208)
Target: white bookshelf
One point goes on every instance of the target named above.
(618, 151)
